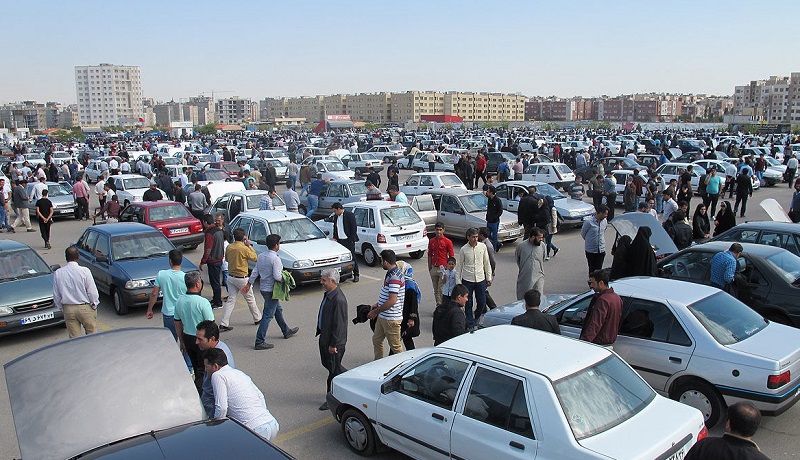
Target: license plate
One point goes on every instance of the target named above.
(515, 232)
(680, 454)
(37, 318)
(65, 211)
(405, 237)
(178, 231)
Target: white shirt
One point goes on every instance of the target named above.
(125, 167)
(113, 164)
(237, 397)
(36, 193)
(340, 234)
(99, 189)
(73, 284)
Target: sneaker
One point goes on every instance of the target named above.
(256, 323)
(546, 257)
(355, 278)
(555, 251)
(11, 230)
(216, 307)
(31, 229)
(225, 328)
(264, 346)
(291, 332)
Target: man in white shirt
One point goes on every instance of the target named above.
(36, 193)
(125, 167)
(291, 199)
(75, 293)
(237, 397)
(474, 270)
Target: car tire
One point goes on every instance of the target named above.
(704, 397)
(302, 209)
(358, 433)
(119, 303)
(371, 257)
(417, 254)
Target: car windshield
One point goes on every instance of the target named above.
(296, 230)
(563, 169)
(601, 397)
(549, 190)
(333, 166)
(787, 265)
(21, 263)
(727, 319)
(58, 190)
(135, 182)
(140, 246)
(358, 189)
(216, 175)
(396, 217)
(474, 202)
(773, 161)
(161, 213)
(450, 180)
(172, 161)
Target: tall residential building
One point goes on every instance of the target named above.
(235, 110)
(411, 105)
(205, 110)
(108, 95)
(373, 107)
(774, 100)
(309, 107)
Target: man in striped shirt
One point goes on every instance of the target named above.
(389, 309)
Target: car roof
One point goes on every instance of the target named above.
(271, 215)
(453, 191)
(524, 183)
(377, 204)
(763, 250)
(552, 355)
(7, 245)
(437, 173)
(683, 292)
(123, 228)
(788, 227)
(155, 204)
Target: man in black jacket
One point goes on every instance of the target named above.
(345, 232)
(533, 317)
(737, 442)
(526, 211)
(332, 326)
(449, 319)
(494, 209)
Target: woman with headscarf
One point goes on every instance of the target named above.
(725, 219)
(641, 257)
(409, 328)
(620, 264)
(701, 226)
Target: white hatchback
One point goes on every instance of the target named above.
(556, 174)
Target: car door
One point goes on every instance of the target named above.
(258, 236)
(692, 266)
(85, 246)
(493, 421)
(335, 194)
(411, 187)
(346, 159)
(366, 233)
(453, 216)
(101, 267)
(417, 418)
(571, 318)
(653, 341)
(425, 183)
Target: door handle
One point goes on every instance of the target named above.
(438, 417)
(516, 445)
(675, 360)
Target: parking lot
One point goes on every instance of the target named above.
(291, 376)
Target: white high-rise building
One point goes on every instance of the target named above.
(108, 95)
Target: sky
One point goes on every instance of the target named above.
(272, 48)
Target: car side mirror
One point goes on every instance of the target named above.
(391, 385)
(55, 267)
(262, 242)
(102, 259)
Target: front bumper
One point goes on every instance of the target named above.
(509, 234)
(573, 221)
(136, 297)
(312, 274)
(12, 324)
(333, 405)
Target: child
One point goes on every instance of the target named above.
(448, 279)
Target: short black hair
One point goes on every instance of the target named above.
(209, 328)
(175, 256)
(337, 205)
(389, 256)
(393, 188)
(273, 240)
(208, 219)
(744, 418)
(602, 209)
(484, 232)
(238, 234)
(736, 247)
(441, 225)
(533, 298)
(215, 356)
(451, 259)
(601, 275)
(459, 289)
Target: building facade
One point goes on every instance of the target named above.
(774, 100)
(108, 95)
(235, 110)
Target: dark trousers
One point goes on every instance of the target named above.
(478, 291)
(597, 199)
(743, 200)
(611, 203)
(198, 215)
(351, 246)
(480, 175)
(83, 207)
(712, 202)
(595, 260)
(431, 166)
(214, 279)
(332, 362)
(196, 356)
(44, 229)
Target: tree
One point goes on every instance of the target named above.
(208, 129)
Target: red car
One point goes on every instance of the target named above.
(169, 217)
(230, 167)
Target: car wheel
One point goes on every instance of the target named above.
(702, 397)
(119, 304)
(358, 432)
(370, 256)
(417, 254)
(302, 209)
(387, 159)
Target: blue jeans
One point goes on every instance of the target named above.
(493, 229)
(659, 203)
(271, 308)
(313, 203)
(479, 290)
(304, 188)
(214, 279)
(4, 217)
(548, 239)
(293, 181)
(169, 323)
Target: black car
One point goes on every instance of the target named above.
(493, 160)
(781, 234)
(767, 278)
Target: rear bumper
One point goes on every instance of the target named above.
(768, 404)
(400, 248)
(188, 240)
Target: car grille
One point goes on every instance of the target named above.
(327, 261)
(512, 225)
(38, 306)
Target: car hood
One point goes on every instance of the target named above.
(142, 364)
(377, 371)
(567, 205)
(774, 210)
(26, 290)
(505, 313)
(321, 248)
(677, 423)
(149, 268)
(629, 223)
(775, 342)
(62, 201)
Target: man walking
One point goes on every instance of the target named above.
(494, 209)
(207, 337)
(440, 248)
(449, 319)
(533, 317)
(19, 200)
(237, 255)
(603, 316)
(593, 233)
(345, 232)
(190, 310)
(332, 326)
(529, 257)
(213, 253)
(270, 269)
(388, 311)
(197, 202)
(5, 198)
(172, 284)
(473, 270)
(81, 192)
(44, 211)
(291, 198)
(75, 293)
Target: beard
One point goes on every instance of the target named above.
(537, 243)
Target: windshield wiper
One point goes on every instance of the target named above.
(157, 254)
(130, 258)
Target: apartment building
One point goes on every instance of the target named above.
(369, 107)
(235, 110)
(774, 100)
(108, 94)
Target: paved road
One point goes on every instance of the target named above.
(291, 376)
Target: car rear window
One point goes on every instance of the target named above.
(450, 179)
(402, 215)
(727, 319)
(162, 213)
(358, 189)
(136, 182)
(563, 169)
(601, 397)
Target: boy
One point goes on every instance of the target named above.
(448, 279)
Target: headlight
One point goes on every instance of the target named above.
(302, 263)
(136, 199)
(345, 257)
(136, 284)
(6, 311)
(501, 227)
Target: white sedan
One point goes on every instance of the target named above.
(510, 392)
(419, 183)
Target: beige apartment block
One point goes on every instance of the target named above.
(235, 110)
(411, 105)
(371, 107)
(335, 104)
(108, 94)
(490, 107)
(309, 107)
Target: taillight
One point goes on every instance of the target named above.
(777, 381)
(163, 230)
(381, 238)
(425, 232)
(196, 228)
(703, 433)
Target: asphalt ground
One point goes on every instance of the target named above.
(291, 376)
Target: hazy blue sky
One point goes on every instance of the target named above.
(302, 48)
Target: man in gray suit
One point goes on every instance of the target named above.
(332, 326)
